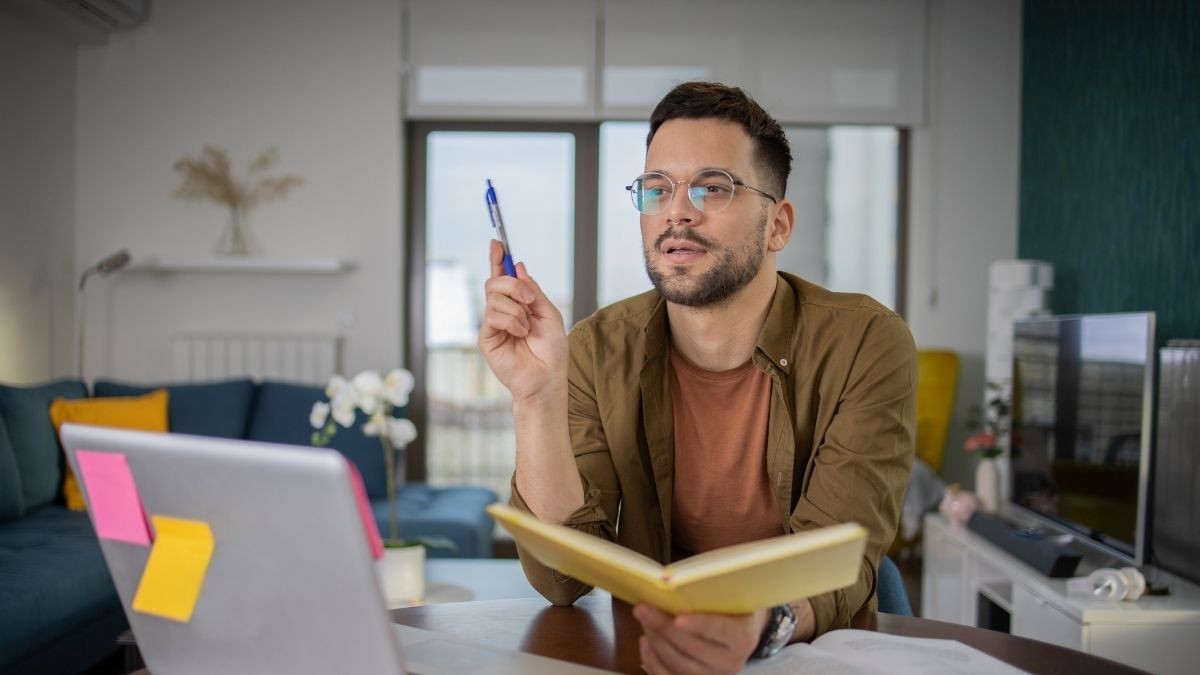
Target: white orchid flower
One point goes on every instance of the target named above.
(343, 406)
(319, 414)
(397, 386)
(336, 384)
(401, 432)
(375, 426)
(369, 386)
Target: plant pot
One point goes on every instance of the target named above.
(402, 575)
(987, 485)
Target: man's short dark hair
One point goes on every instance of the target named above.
(703, 100)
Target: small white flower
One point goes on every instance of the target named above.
(343, 406)
(336, 384)
(397, 386)
(369, 403)
(376, 425)
(369, 386)
(319, 414)
(401, 432)
(368, 382)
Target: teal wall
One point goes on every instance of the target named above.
(1110, 155)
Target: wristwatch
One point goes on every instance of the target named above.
(777, 633)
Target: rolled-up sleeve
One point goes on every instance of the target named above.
(862, 462)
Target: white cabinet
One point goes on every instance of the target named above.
(943, 587)
(968, 580)
(1034, 617)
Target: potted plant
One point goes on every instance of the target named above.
(210, 176)
(378, 397)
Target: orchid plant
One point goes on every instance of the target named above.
(377, 396)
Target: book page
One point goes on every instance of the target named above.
(754, 553)
(804, 659)
(883, 653)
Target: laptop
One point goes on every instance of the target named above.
(262, 560)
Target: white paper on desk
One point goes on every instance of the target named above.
(860, 652)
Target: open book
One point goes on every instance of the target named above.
(731, 580)
(860, 652)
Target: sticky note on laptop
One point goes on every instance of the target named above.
(116, 507)
(176, 568)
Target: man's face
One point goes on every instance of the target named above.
(696, 258)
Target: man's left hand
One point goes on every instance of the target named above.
(697, 643)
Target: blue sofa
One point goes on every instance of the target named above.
(59, 612)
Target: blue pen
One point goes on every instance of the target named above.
(498, 224)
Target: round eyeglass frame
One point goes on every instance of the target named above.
(631, 189)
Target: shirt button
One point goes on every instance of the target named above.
(783, 362)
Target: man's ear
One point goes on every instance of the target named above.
(781, 226)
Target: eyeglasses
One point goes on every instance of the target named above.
(709, 191)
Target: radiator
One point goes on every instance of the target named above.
(308, 358)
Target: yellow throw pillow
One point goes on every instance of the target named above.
(143, 413)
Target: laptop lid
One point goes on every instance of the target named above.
(289, 584)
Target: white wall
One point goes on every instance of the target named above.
(319, 80)
(37, 195)
(964, 189)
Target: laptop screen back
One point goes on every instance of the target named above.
(289, 586)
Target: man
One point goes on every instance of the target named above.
(731, 403)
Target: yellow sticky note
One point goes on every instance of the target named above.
(175, 570)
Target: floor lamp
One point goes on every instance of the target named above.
(104, 268)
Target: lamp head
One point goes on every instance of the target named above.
(113, 262)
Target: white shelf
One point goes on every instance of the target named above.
(242, 265)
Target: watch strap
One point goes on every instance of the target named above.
(781, 624)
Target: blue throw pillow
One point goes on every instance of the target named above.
(220, 409)
(10, 479)
(39, 460)
(281, 414)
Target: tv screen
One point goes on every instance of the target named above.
(1081, 425)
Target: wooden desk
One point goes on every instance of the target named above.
(600, 632)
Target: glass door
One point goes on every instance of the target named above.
(468, 431)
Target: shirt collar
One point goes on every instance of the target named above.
(779, 330)
(774, 341)
(655, 330)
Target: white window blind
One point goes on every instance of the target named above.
(806, 61)
(809, 61)
(517, 59)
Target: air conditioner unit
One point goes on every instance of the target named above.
(83, 22)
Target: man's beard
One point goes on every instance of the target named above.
(730, 273)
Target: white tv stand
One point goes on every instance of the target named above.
(968, 580)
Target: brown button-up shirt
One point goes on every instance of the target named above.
(840, 434)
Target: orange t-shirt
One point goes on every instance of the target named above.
(722, 495)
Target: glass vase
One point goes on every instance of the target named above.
(236, 239)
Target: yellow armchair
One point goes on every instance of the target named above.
(937, 380)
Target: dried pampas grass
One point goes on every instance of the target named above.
(210, 176)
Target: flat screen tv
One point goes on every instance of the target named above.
(1082, 427)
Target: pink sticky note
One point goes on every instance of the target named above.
(364, 510)
(116, 507)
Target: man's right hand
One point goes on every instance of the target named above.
(522, 336)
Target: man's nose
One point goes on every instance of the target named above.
(680, 209)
